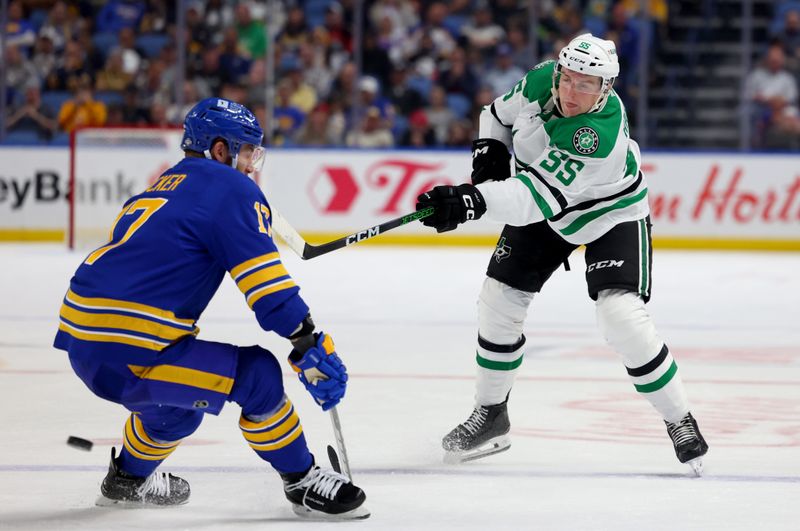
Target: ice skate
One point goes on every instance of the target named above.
(156, 490)
(484, 433)
(690, 446)
(323, 494)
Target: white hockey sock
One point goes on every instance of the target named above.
(497, 367)
(660, 382)
(629, 329)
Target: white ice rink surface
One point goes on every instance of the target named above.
(587, 452)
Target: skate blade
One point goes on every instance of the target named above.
(490, 447)
(102, 501)
(696, 465)
(359, 513)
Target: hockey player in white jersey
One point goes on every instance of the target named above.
(577, 181)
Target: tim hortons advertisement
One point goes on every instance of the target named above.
(697, 200)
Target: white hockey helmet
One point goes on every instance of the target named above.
(587, 54)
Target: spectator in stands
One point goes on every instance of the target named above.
(439, 115)
(61, 25)
(94, 59)
(131, 56)
(625, 34)
(233, 64)
(304, 97)
(375, 61)
(157, 15)
(317, 131)
(209, 76)
(419, 133)
(316, 72)
(288, 118)
(343, 86)
(113, 76)
(399, 15)
(19, 32)
(441, 44)
(154, 83)
(44, 58)
(390, 38)
(131, 109)
(257, 83)
(404, 98)
(219, 15)
(504, 74)
(176, 114)
(119, 14)
(157, 115)
(198, 35)
(458, 77)
(33, 115)
(520, 54)
(335, 25)
(773, 91)
(252, 39)
(20, 72)
(296, 31)
(82, 110)
(790, 37)
(372, 132)
(482, 32)
(460, 134)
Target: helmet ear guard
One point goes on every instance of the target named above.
(587, 54)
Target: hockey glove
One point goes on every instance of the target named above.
(490, 161)
(452, 205)
(322, 372)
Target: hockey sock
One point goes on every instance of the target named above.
(141, 454)
(497, 367)
(660, 383)
(629, 329)
(277, 437)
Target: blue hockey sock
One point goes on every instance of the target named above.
(278, 439)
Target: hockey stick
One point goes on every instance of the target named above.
(306, 251)
(340, 464)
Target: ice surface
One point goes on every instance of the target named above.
(587, 452)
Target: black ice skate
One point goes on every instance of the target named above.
(324, 494)
(484, 433)
(690, 447)
(156, 490)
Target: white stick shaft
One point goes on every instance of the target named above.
(337, 433)
(287, 233)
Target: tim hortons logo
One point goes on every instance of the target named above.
(728, 200)
(334, 189)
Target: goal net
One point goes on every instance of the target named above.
(109, 165)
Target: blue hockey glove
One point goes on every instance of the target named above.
(321, 371)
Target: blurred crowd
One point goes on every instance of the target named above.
(427, 67)
(772, 87)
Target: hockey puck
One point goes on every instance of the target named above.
(80, 444)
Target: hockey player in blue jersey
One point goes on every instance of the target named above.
(128, 323)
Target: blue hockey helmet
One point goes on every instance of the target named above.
(217, 118)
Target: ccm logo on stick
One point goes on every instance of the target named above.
(605, 263)
(363, 235)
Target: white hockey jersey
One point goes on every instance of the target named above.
(581, 173)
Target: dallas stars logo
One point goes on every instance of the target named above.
(502, 251)
(585, 141)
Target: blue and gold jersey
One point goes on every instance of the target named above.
(168, 253)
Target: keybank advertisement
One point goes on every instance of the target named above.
(699, 197)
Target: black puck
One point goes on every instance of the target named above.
(81, 444)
